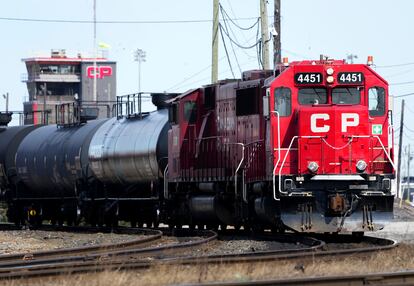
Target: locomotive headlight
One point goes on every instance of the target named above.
(330, 71)
(313, 167)
(330, 79)
(361, 165)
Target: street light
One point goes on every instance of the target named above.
(139, 56)
(6, 97)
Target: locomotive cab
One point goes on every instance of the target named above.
(332, 138)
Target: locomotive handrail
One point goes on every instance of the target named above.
(166, 194)
(309, 137)
(238, 166)
(382, 146)
(278, 152)
(283, 163)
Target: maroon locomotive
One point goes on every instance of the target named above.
(309, 147)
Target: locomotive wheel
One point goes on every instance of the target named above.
(223, 226)
(257, 229)
(200, 226)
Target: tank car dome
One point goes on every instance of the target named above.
(159, 99)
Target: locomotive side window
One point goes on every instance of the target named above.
(172, 113)
(376, 101)
(247, 101)
(283, 101)
(190, 111)
(209, 97)
(309, 96)
(346, 95)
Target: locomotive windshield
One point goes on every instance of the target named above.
(309, 96)
(346, 95)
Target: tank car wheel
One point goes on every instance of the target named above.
(223, 226)
(133, 223)
(257, 229)
(201, 226)
(278, 230)
(212, 227)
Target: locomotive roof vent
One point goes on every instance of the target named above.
(160, 99)
(256, 74)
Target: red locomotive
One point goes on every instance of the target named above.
(310, 148)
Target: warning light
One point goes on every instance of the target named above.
(32, 212)
(330, 79)
(330, 71)
(370, 60)
(285, 61)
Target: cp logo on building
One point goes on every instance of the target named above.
(99, 71)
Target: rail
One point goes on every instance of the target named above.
(382, 146)
(138, 258)
(282, 165)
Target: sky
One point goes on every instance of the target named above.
(179, 54)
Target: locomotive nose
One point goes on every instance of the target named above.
(327, 139)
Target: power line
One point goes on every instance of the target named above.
(225, 49)
(224, 13)
(402, 83)
(118, 21)
(403, 95)
(409, 109)
(237, 44)
(405, 126)
(408, 137)
(395, 65)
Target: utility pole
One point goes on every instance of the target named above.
(7, 102)
(408, 171)
(277, 46)
(400, 149)
(94, 96)
(214, 46)
(265, 34)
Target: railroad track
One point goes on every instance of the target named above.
(69, 260)
(402, 278)
(405, 206)
(141, 258)
(149, 236)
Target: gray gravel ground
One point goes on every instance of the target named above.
(402, 228)
(37, 240)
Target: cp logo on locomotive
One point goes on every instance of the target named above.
(318, 121)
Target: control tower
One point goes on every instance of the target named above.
(59, 79)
